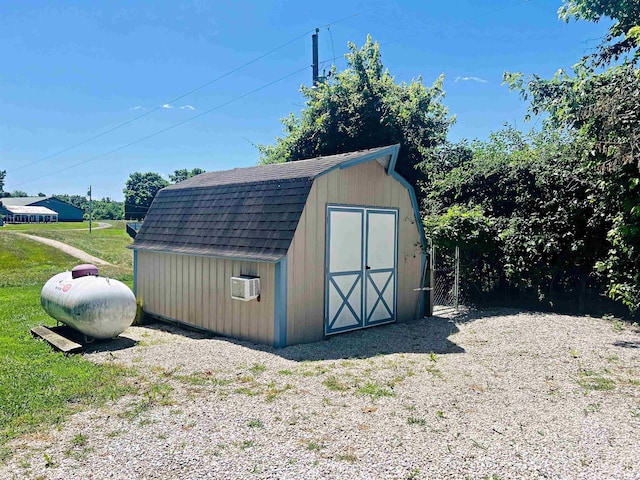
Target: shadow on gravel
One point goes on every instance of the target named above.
(183, 331)
(93, 346)
(122, 342)
(429, 335)
(626, 344)
(472, 315)
(423, 336)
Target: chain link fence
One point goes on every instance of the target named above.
(447, 291)
(460, 279)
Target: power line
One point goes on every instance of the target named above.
(175, 99)
(170, 127)
(333, 50)
(332, 59)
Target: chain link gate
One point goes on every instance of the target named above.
(446, 278)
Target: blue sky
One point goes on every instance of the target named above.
(73, 70)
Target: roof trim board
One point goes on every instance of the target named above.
(197, 254)
(423, 238)
(391, 150)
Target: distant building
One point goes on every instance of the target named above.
(28, 214)
(65, 211)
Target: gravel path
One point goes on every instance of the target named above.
(73, 251)
(487, 395)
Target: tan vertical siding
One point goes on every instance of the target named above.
(197, 291)
(362, 185)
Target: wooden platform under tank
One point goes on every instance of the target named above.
(61, 338)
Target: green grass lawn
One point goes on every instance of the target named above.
(37, 385)
(25, 262)
(109, 243)
(34, 227)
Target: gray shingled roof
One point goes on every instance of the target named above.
(249, 213)
(21, 201)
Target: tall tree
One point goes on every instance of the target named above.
(139, 192)
(75, 200)
(107, 209)
(623, 36)
(363, 107)
(521, 209)
(182, 174)
(599, 100)
(104, 209)
(3, 174)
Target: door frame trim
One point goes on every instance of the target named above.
(341, 208)
(396, 213)
(364, 273)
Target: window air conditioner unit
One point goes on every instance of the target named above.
(245, 287)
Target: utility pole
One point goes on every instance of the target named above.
(90, 209)
(314, 51)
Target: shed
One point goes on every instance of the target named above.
(336, 241)
(66, 212)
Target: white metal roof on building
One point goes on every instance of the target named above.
(27, 210)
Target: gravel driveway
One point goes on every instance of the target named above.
(487, 395)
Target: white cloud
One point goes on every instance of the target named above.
(187, 107)
(472, 79)
(168, 106)
(137, 107)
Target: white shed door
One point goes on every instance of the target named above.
(361, 268)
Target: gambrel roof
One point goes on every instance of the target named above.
(245, 213)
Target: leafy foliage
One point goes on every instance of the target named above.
(363, 107)
(104, 209)
(139, 192)
(603, 109)
(622, 36)
(465, 225)
(18, 193)
(107, 209)
(3, 174)
(522, 209)
(182, 174)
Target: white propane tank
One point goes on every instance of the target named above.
(97, 306)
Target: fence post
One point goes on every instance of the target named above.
(456, 280)
(432, 277)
